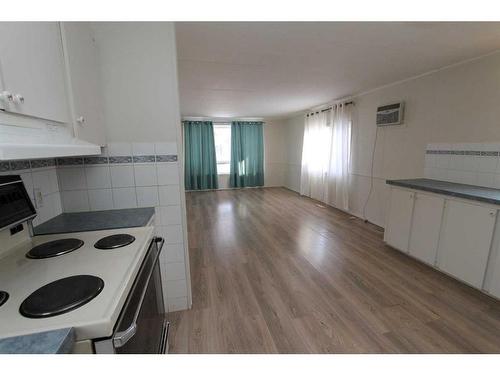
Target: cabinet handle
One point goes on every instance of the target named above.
(492, 213)
(18, 98)
(80, 120)
(6, 96)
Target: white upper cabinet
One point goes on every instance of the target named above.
(466, 236)
(397, 232)
(425, 227)
(32, 70)
(84, 82)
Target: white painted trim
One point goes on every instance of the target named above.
(222, 119)
(395, 83)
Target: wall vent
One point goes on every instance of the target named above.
(390, 114)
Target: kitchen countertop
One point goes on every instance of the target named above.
(472, 192)
(59, 341)
(96, 220)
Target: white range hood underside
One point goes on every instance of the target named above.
(48, 141)
(39, 151)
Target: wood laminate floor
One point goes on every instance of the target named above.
(273, 272)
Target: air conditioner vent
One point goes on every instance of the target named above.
(391, 114)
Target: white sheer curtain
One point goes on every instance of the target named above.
(326, 156)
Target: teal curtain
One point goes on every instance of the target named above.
(247, 154)
(200, 166)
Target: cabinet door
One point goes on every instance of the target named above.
(32, 67)
(494, 287)
(466, 235)
(397, 230)
(425, 227)
(83, 77)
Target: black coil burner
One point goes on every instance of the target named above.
(61, 296)
(54, 248)
(114, 241)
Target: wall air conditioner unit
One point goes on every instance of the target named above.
(391, 114)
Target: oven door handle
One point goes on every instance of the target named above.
(121, 338)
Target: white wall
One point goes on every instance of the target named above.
(294, 134)
(139, 80)
(141, 107)
(274, 152)
(458, 104)
(454, 105)
(274, 155)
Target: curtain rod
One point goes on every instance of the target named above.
(222, 119)
(329, 108)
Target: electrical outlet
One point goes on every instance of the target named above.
(38, 197)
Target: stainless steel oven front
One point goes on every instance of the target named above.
(142, 327)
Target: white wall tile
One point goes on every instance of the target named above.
(101, 199)
(122, 175)
(485, 179)
(172, 234)
(75, 200)
(143, 148)
(53, 180)
(175, 271)
(27, 178)
(443, 161)
(46, 210)
(57, 201)
(145, 175)
(124, 198)
(72, 178)
(119, 149)
(175, 252)
(168, 174)
(147, 196)
(471, 163)
(457, 162)
(176, 288)
(170, 215)
(488, 164)
(166, 148)
(98, 177)
(169, 195)
(177, 304)
(41, 181)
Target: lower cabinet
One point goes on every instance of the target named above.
(425, 228)
(464, 245)
(494, 287)
(398, 223)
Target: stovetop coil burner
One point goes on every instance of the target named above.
(61, 296)
(114, 241)
(4, 296)
(54, 248)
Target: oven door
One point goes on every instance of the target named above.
(142, 327)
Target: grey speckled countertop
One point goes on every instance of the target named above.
(96, 220)
(52, 342)
(476, 193)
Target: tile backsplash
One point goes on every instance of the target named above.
(466, 163)
(41, 182)
(125, 175)
(129, 175)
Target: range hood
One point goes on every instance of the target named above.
(13, 151)
(17, 142)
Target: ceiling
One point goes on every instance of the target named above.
(271, 69)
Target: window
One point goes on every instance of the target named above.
(222, 139)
